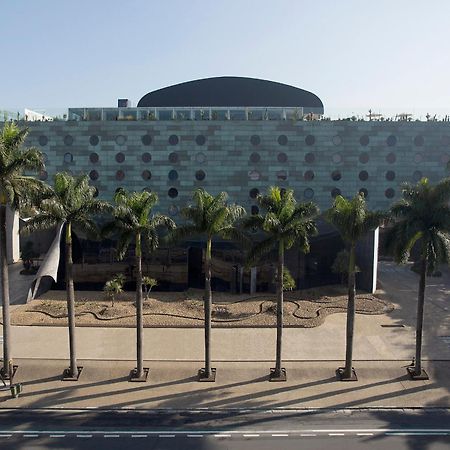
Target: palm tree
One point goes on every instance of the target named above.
(353, 221)
(285, 223)
(209, 216)
(16, 190)
(421, 217)
(133, 222)
(71, 202)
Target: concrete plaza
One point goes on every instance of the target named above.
(384, 345)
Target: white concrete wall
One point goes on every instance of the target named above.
(12, 238)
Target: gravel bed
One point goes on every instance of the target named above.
(306, 308)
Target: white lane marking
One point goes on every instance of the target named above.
(336, 434)
(57, 435)
(84, 435)
(251, 435)
(5, 435)
(280, 435)
(195, 435)
(166, 435)
(364, 434)
(222, 435)
(308, 434)
(422, 433)
(138, 435)
(111, 435)
(30, 435)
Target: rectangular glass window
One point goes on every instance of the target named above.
(237, 114)
(219, 114)
(275, 114)
(255, 114)
(183, 114)
(165, 114)
(201, 114)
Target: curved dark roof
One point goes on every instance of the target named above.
(231, 91)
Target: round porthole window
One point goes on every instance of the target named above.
(310, 139)
(146, 139)
(390, 175)
(43, 140)
(200, 175)
(94, 140)
(282, 140)
(364, 192)
(337, 140)
(335, 192)
(254, 193)
(173, 158)
(120, 175)
(255, 140)
(200, 158)
(172, 193)
(363, 175)
(282, 157)
(146, 157)
(254, 157)
(308, 193)
(120, 140)
(68, 140)
(93, 175)
(419, 141)
(364, 140)
(391, 158)
(173, 139)
(68, 158)
(364, 158)
(173, 175)
(93, 158)
(310, 158)
(43, 175)
(120, 157)
(146, 175)
(309, 175)
(200, 139)
(336, 175)
(391, 140)
(389, 193)
(337, 158)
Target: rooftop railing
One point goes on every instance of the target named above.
(188, 113)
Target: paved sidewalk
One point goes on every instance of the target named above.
(104, 384)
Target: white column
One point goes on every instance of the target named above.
(12, 239)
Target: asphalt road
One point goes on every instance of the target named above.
(231, 429)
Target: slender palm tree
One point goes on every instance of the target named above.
(353, 221)
(71, 202)
(133, 222)
(285, 223)
(209, 216)
(422, 217)
(16, 190)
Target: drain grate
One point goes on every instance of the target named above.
(393, 326)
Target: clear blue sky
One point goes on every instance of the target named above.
(355, 54)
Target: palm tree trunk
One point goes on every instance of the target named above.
(419, 319)
(70, 302)
(208, 301)
(350, 314)
(5, 295)
(139, 318)
(279, 309)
